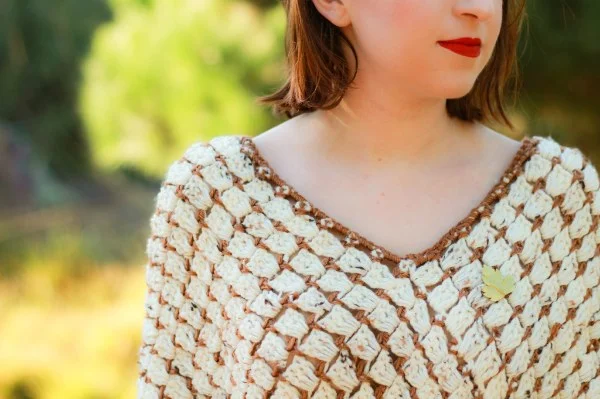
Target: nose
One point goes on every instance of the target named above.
(480, 9)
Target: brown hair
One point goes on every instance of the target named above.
(318, 72)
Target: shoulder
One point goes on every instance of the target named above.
(565, 174)
(210, 156)
(219, 163)
(561, 167)
(559, 194)
(553, 203)
(207, 179)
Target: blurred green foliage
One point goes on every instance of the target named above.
(161, 77)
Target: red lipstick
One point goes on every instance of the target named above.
(467, 46)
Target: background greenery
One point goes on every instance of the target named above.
(99, 96)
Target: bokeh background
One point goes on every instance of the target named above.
(98, 97)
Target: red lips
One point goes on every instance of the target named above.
(467, 46)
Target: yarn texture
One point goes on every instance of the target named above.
(253, 292)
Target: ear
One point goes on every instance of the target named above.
(335, 11)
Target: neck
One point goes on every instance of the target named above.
(374, 125)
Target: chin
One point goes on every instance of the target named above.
(457, 90)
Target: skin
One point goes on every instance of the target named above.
(390, 146)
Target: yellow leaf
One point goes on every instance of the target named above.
(496, 285)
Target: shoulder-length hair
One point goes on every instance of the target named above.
(319, 74)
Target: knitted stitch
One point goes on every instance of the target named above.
(255, 293)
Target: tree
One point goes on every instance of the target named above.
(41, 46)
(173, 72)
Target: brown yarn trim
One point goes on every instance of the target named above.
(514, 169)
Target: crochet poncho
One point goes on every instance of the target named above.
(253, 292)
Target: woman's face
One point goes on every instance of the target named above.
(398, 41)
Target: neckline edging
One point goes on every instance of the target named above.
(433, 252)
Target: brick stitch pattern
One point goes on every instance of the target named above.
(255, 293)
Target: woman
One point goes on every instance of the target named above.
(383, 242)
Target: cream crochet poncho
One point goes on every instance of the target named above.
(255, 293)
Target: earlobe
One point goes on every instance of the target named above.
(333, 10)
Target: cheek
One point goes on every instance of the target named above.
(494, 24)
(397, 31)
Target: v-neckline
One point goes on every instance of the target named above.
(527, 147)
